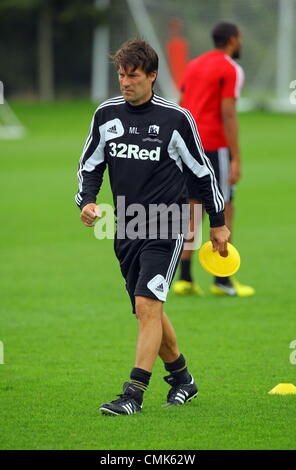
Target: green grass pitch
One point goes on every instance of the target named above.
(68, 333)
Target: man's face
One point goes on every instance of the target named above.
(135, 85)
(237, 45)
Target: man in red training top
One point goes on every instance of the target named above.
(210, 88)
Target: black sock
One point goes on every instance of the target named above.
(225, 281)
(140, 379)
(179, 370)
(185, 270)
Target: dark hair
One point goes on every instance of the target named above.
(138, 54)
(222, 32)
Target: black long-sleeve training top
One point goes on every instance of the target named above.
(148, 149)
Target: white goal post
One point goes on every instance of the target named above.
(10, 125)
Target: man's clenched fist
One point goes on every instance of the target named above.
(219, 237)
(89, 213)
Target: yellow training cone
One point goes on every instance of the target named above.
(216, 264)
(283, 389)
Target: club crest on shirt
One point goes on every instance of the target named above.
(153, 130)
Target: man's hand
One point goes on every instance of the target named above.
(219, 237)
(234, 174)
(89, 213)
(228, 111)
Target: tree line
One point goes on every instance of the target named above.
(46, 46)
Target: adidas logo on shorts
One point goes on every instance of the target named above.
(159, 288)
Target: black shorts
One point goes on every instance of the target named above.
(220, 160)
(148, 266)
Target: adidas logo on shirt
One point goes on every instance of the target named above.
(112, 129)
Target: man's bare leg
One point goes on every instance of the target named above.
(149, 316)
(150, 331)
(228, 213)
(156, 335)
(169, 350)
(226, 281)
(183, 387)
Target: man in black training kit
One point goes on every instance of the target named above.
(148, 144)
